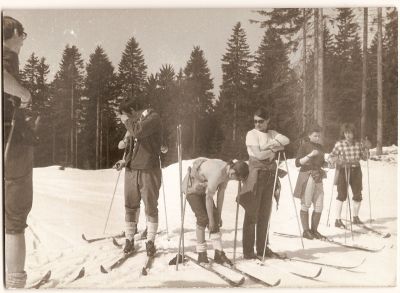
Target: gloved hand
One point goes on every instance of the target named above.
(121, 145)
(119, 165)
(366, 143)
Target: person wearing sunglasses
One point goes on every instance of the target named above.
(256, 195)
(18, 156)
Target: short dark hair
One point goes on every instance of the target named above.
(313, 128)
(241, 169)
(9, 26)
(128, 105)
(348, 127)
(263, 113)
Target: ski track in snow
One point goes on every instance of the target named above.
(71, 202)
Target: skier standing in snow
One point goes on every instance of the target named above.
(18, 164)
(204, 179)
(347, 154)
(142, 170)
(256, 195)
(309, 186)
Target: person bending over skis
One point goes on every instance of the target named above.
(204, 179)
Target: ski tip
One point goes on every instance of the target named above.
(103, 270)
(144, 272)
(83, 237)
(115, 242)
(277, 283)
(387, 235)
(48, 275)
(318, 273)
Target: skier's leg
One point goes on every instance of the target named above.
(265, 187)
(197, 203)
(356, 187)
(17, 205)
(341, 197)
(149, 185)
(132, 208)
(306, 202)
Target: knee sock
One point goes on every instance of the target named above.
(151, 231)
(201, 239)
(216, 241)
(16, 280)
(130, 230)
(339, 205)
(356, 208)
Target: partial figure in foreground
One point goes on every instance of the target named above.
(347, 154)
(19, 139)
(309, 186)
(204, 179)
(142, 170)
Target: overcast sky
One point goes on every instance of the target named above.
(164, 35)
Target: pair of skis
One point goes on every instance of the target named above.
(371, 230)
(46, 278)
(326, 239)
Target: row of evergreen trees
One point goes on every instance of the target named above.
(79, 126)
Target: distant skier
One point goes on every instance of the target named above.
(309, 186)
(206, 178)
(256, 196)
(142, 170)
(347, 154)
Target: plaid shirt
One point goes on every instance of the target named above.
(346, 153)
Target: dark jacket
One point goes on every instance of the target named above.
(144, 142)
(312, 168)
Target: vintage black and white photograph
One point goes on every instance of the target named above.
(200, 147)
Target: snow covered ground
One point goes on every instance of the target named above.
(71, 202)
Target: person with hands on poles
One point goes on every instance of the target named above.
(142, 144)
(204, 179)
(257, 191)
(347, 154)
(309, 186)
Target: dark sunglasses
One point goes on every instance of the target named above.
(259, 121)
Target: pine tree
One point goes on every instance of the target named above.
(236, 89)
(346, 71)
(276, 84)
(34, 77)
(132, 71)
(390, 77)
(68, 106)
(198, 101)
(98, 90)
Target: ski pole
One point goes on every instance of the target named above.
(10, 135)
(178, 131)
(294, 203)
(236, 223)
(330, 203)
(165, 204)
(112, 199)
(270, 208)
(369, 192)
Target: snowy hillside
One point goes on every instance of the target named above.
(70, 202)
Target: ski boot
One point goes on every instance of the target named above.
(129, 246)
(150, 248)
(202, 257)
(318, 235)
(271, 254)
(220, 258)
(250, 256)
(357, 221)
(308, 235)
(339, 224)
